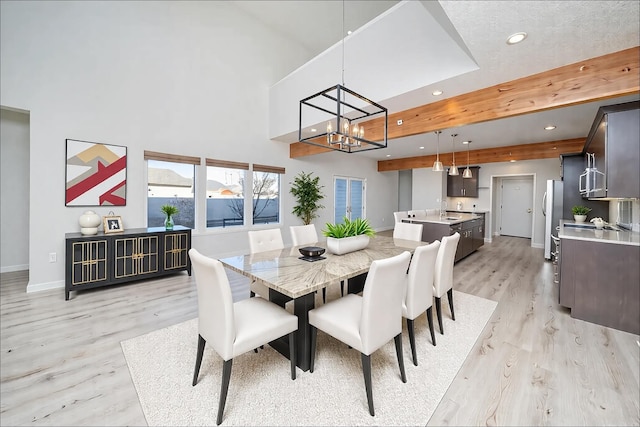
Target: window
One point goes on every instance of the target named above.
(170, 180)
(225, 193)
(266, 194)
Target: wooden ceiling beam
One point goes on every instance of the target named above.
(608, 76)
(540, 150)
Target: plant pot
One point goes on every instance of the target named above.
(580, 218)
(347, 244)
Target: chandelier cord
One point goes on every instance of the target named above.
(343, 37)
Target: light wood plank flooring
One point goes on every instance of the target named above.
(62, 364)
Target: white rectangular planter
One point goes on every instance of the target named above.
(347, 244)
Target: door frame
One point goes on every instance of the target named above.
(495, 198)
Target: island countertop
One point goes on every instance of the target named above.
(586, 232)
(448, 219)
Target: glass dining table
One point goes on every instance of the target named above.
(290, 278)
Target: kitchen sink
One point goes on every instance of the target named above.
(592, 227)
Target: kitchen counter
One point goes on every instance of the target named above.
(469, 226)
(448, 219)
(477, 211)
(621, 237)
(600, 275)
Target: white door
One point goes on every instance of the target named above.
(349, 198)
(516, 213)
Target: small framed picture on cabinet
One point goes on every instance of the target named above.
(112, 224)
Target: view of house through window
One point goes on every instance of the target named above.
(170, 183)
(225, 195)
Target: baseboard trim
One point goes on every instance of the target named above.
(12, 268)
(37, 287)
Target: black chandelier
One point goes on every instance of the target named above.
(334, 118)
(342, 112)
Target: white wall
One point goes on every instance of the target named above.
(14, 182)
(186, 78)
(429, 189)
(405, 188)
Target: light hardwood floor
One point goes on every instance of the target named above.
(62, 364)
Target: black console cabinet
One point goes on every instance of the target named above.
(109, 259)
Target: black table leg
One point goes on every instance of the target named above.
(301, 307)
(356, 284)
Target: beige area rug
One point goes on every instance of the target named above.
(261, 391)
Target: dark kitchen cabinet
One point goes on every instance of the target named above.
(613, 143)
(457, 186)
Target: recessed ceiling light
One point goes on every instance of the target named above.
(349, 32)
(313, 129)
(422, 148)
(516, 38)
(388, 155)
(436, 93)
(550, 127)
(466, 142)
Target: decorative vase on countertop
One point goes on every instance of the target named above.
(89, 222)
(580, 218)
(168, 223)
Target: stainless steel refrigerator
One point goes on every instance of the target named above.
(552, 210)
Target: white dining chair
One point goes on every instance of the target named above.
(262, 241)
(407, 231)
(443, 279)
(398, 216)
(234, 328)
(303, 235)
(367, 322)
(419, 291)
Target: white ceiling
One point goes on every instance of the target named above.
(559, 33)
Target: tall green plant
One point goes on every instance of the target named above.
(308, 192)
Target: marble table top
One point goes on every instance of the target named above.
(283, 271)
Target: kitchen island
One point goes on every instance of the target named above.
(600, 274)
(470, 227)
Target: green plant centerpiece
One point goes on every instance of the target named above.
(169, 211)
(348, 236)
(580, 213)
(308, 192)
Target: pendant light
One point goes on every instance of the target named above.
(345, 112)
(454, 169)
(437, 165)
(467, 172)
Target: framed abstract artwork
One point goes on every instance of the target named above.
(96, 174)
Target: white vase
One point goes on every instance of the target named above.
(580, 218)
(347, 244)
(89, 222)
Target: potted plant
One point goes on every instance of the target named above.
(580, 213)
(308, 192)
(169, 211)
(348, 236)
